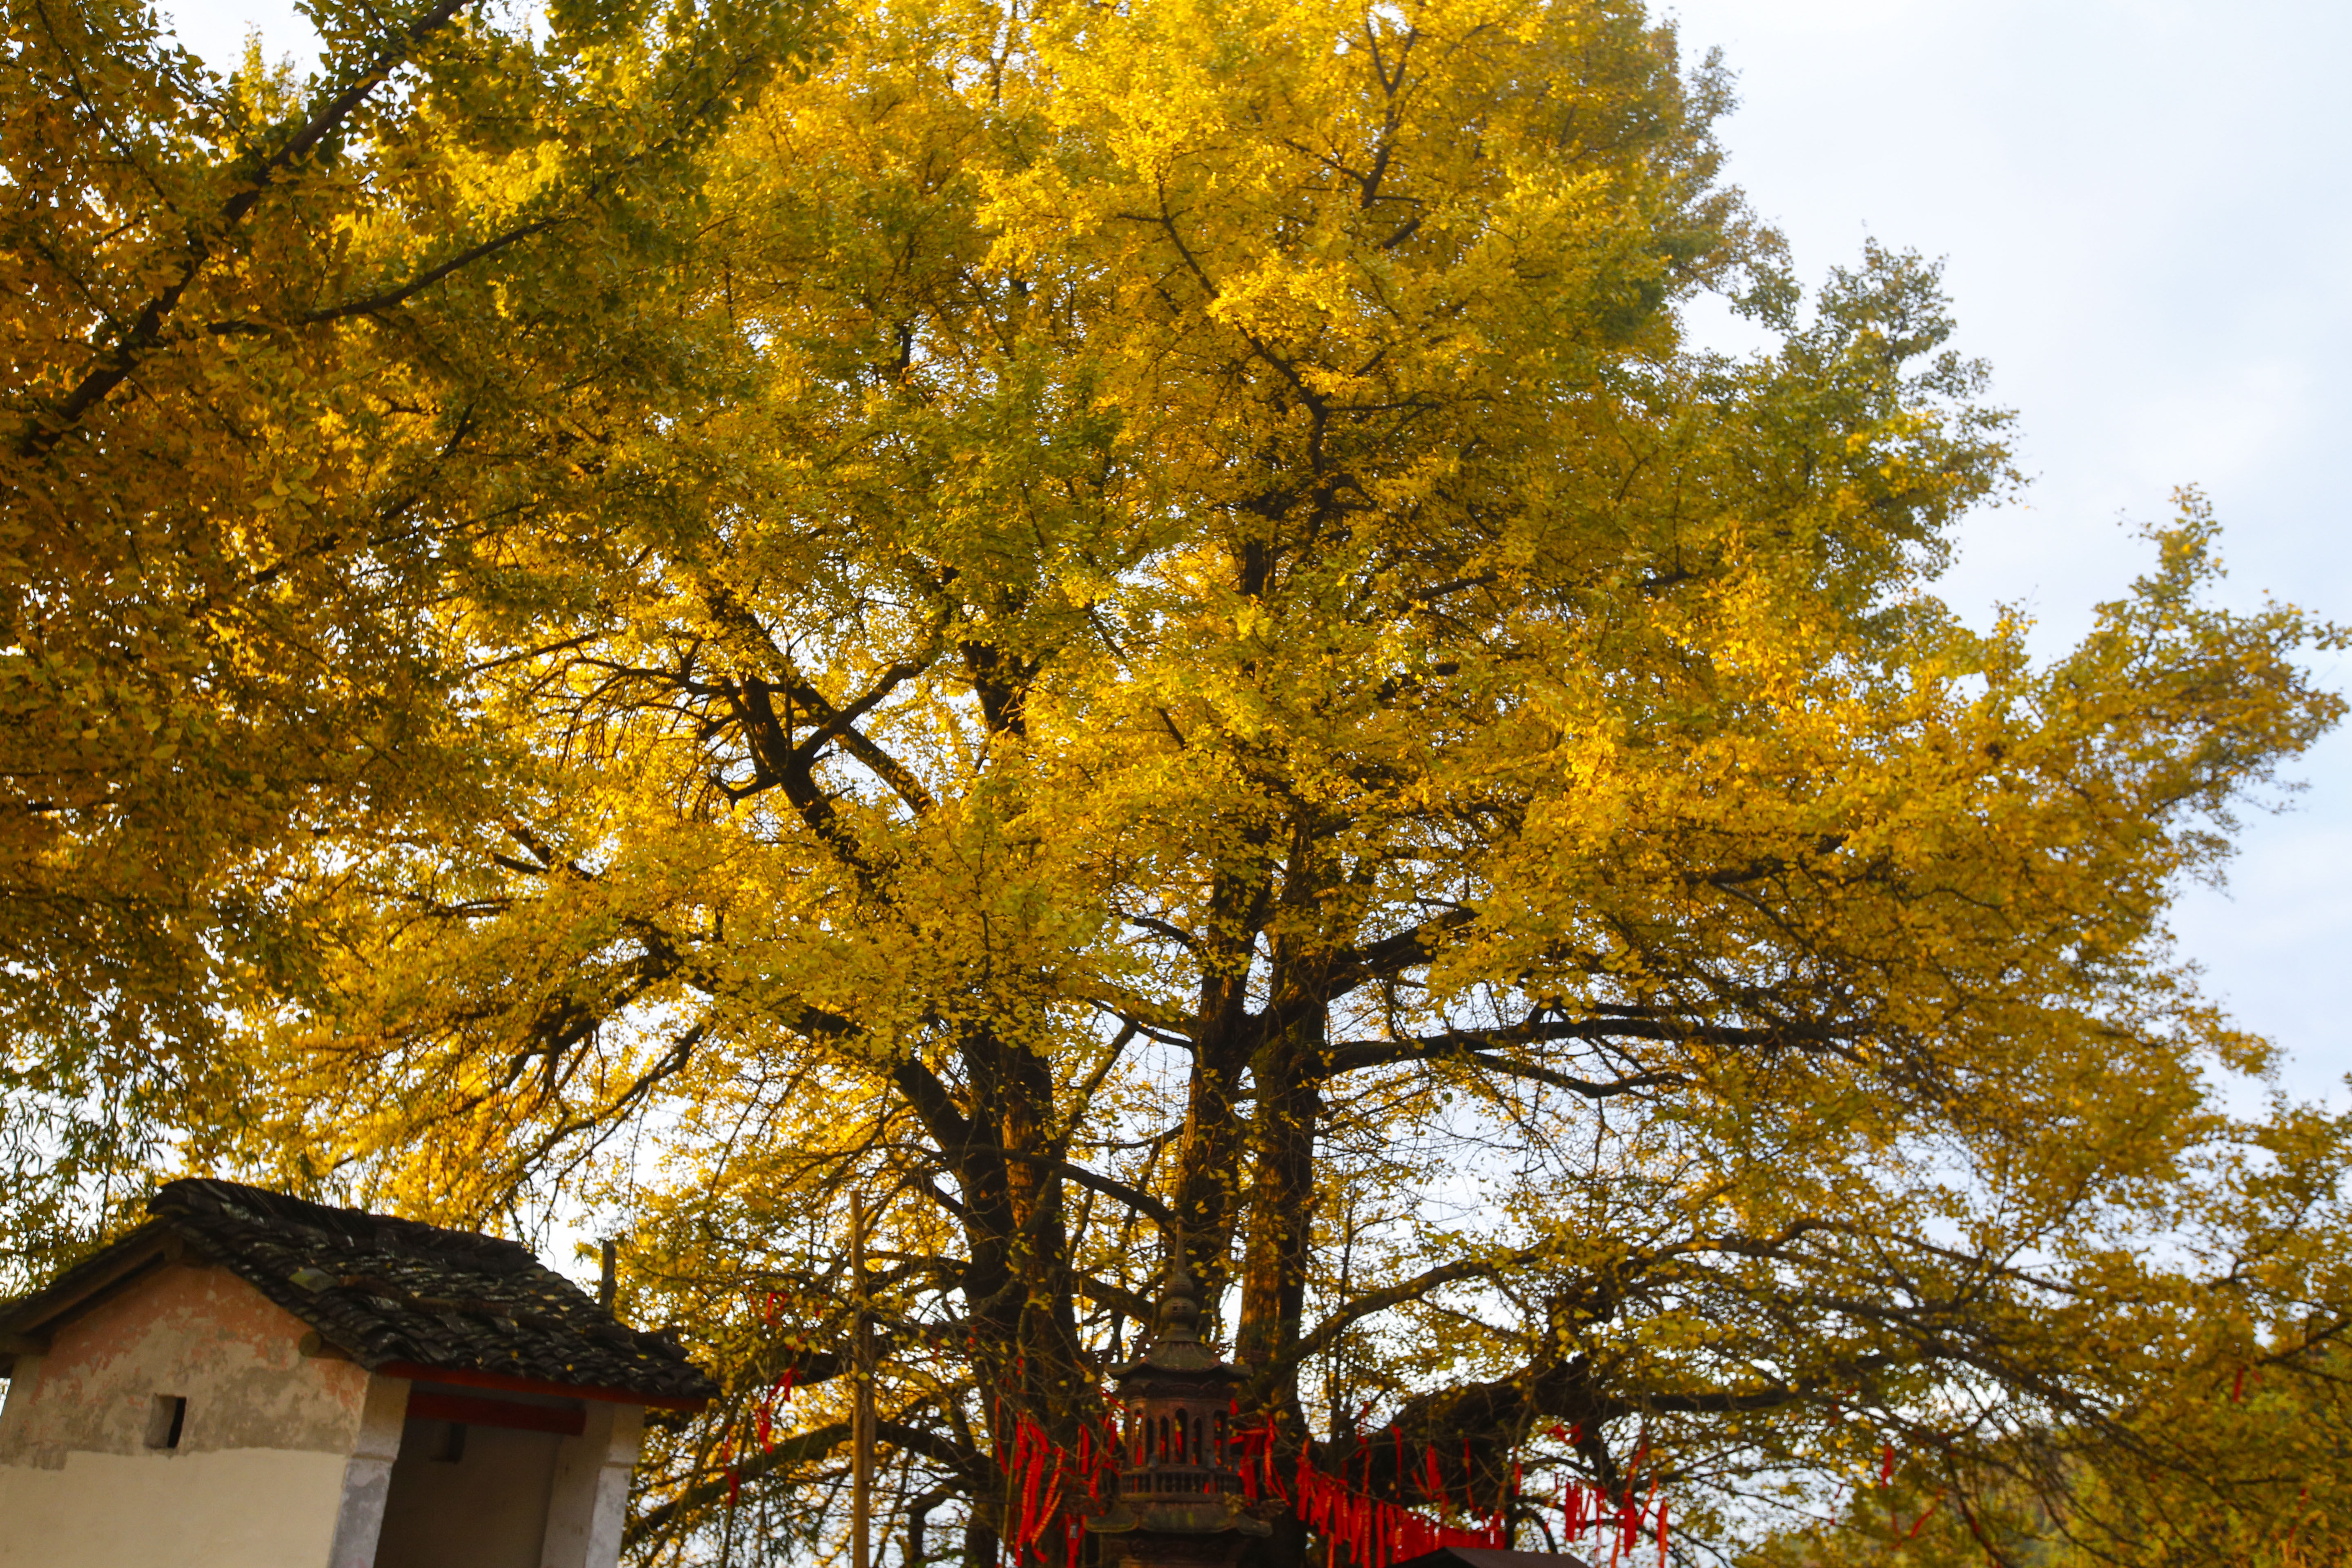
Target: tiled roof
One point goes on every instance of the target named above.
(399, 1295)
(1491, 1557)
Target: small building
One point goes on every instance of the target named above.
(1491, 1557)
(253, 1379)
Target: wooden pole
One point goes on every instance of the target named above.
(861, 1423)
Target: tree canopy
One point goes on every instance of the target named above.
(1124, 628)
(281, 362)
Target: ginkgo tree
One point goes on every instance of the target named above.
(1176, 650)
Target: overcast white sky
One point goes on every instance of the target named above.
(2145, 208)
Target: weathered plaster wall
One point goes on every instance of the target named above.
(199, 1332)
(486, 1510)
(258, 1477)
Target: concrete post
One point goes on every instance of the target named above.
(367, 1474)
(590, 1500)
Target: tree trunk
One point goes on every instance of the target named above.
(1287, 1071)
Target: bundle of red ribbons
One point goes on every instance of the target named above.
(1619, 1521)
(1374, 1533)
(1051, 1488)
(1048, 1483)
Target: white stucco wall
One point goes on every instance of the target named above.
(259, 1476)
(256, 1508)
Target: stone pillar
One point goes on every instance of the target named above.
(367, 1474)
(591, 1497)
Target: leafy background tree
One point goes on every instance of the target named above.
(2223, 1438)
(1111, 627)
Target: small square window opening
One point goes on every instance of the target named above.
(452, 1442)
(165, 1418)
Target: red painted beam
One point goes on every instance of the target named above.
(430, 1406)
(417, 1374)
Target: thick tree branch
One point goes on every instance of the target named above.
(432, 275)
(797, 1450)
(1313, 1343)
(1474, 1047)
(1141, 1201)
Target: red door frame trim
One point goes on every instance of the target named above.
(415, 1373)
